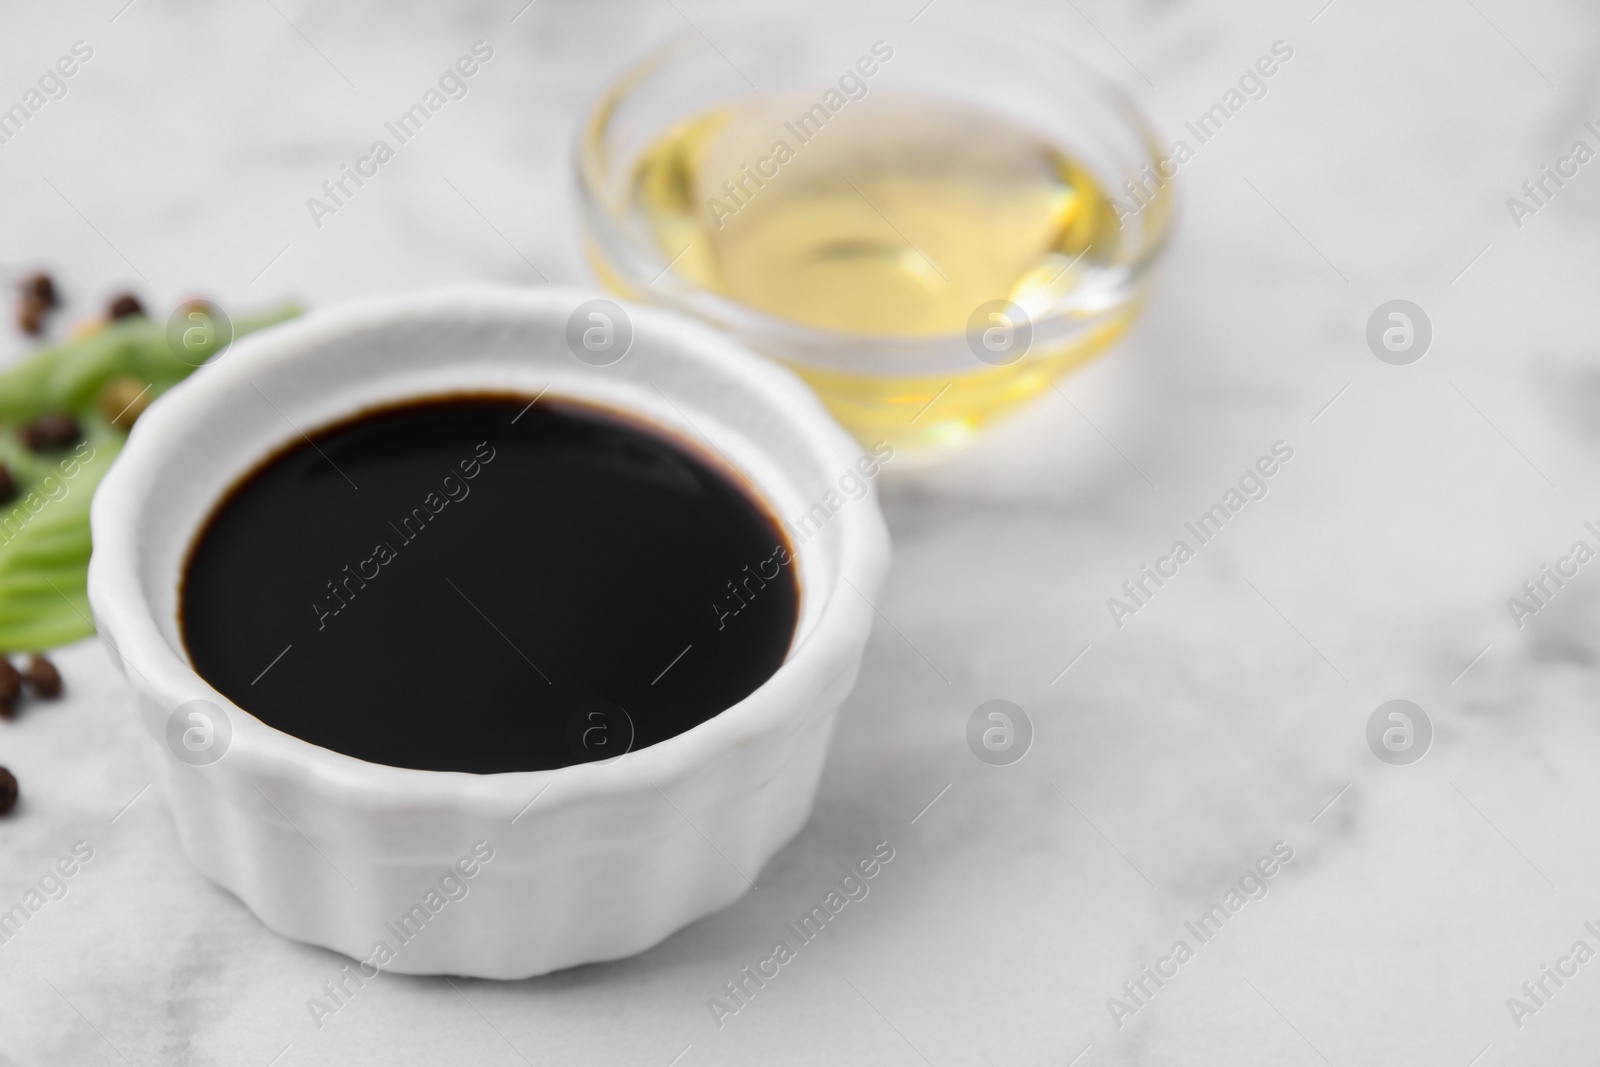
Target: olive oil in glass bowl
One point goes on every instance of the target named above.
(928, 229)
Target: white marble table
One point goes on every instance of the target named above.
(1228, 714)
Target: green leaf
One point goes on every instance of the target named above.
(44, 531)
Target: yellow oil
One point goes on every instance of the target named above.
(893, 218)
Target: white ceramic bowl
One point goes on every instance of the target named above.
(609, 859)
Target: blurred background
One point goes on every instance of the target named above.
(1171, 749)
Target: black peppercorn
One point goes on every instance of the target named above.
(42, 677)
(51, 433)
(10, 689)
(123, 306)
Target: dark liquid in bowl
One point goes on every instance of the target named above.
(476, 584)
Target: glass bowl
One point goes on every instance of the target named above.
(986, 351)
